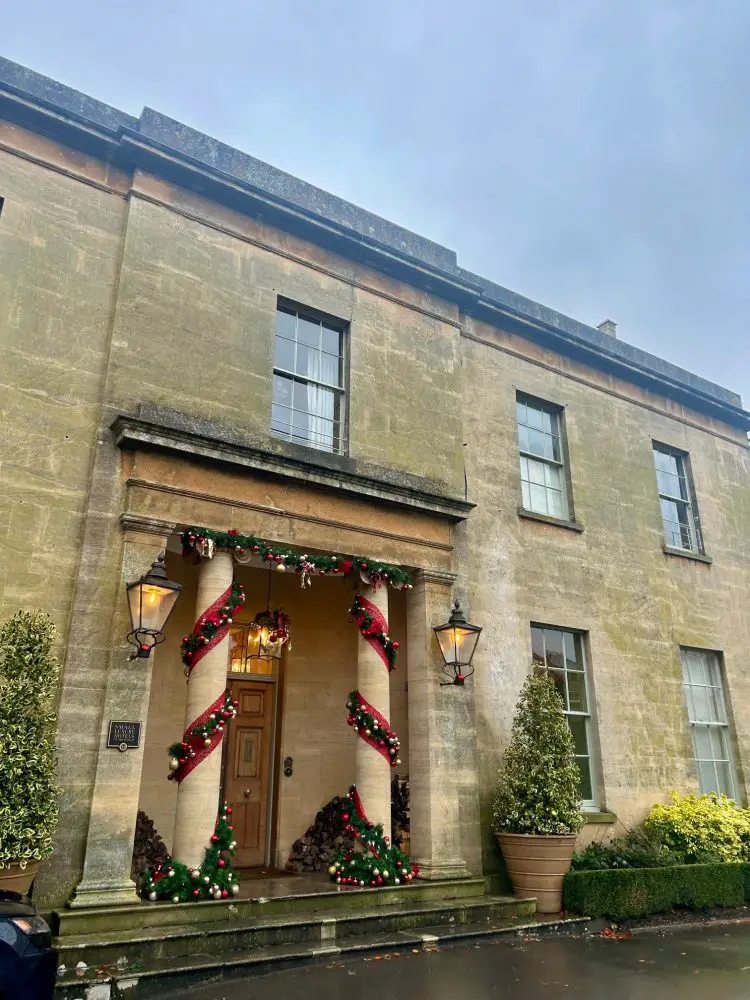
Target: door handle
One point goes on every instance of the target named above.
(246, 792)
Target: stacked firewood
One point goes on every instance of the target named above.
(313, 851)
(149, 850)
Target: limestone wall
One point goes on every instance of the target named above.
(613, 580)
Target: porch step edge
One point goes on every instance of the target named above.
(149, 984)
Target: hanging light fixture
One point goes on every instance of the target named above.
(269, 632)
(150, 600)
(458, 641)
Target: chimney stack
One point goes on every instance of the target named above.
(609, 327)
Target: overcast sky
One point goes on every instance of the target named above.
(591, 154)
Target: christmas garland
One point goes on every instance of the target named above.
(375, 572)
(199, 738)
(373, 728)
(380, 864)
(212, 626)
(213, 879)
(374, 628)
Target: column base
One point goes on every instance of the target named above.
(433, 871)
(91, 895)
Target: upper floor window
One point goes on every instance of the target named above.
(709, 722)
(562, 655)
(676, 496)
(543, 479)
(309, 398)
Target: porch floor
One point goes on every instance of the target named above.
(256, 884)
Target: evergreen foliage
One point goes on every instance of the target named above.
(538, 789)
(28, 725)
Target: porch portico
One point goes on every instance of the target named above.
(302, 722)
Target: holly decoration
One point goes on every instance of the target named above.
(213, 879)
(378, 863)
(373, 728)
(373, 627)
(210, 623)
(301, 563)
(200, 737)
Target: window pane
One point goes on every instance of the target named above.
(702, 711)
(331, 340)
(573, 654)
(539, 444)
(520, 412)
(558, 676)
(534, 417)
(537, 645)
(308, 332)
(526, 495)
(555, 503)
(536, 472)
(554, 645)
(693, 661)
(283, 353)
(725, 781)
(282, 390)
(578, 727)
(552, 477)
(307, 361)
(707, 777)
(577, 692)
(702, 743)
(719, 748)
(538, 499)
(587, 791)
(286, 323)
(523, 438)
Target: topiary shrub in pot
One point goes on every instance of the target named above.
(537, 806)
(28, 758)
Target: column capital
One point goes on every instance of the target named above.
(436, 576)
(147, 525)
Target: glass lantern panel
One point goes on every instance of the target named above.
(150, 605)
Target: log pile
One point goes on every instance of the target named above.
(149, 849)
(313, 851)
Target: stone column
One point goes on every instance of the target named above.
(198, 796)
(373, 682)
(435, 841)
(114, 807)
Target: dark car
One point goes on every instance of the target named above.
(28, 962)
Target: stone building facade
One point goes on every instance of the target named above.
(147, 274)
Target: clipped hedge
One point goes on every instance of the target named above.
(637, 892)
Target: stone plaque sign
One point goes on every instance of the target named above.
(124, 735)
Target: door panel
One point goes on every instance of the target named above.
(248, 765)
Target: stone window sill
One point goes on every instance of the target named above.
(598, 817)
(685, 554)
(559, 522)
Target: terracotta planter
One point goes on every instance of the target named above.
(18, 879)
(537, 865)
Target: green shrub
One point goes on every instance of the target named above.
(637, 892)
(693, 826)
(538, 783)
(28, 722)
(639, 848)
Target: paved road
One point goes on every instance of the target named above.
(699, 964)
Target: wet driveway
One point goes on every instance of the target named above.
(710, 964)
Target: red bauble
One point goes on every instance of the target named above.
(224, 893)
(395, 645)
(196, 892)
(345, 817)
(221, 862)
(229, 810)
(460, 678)
(214, 839)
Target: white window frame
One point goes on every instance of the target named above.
(546, 462)
(703, 680)
(684, 499)
(305, 438)
(577, 638)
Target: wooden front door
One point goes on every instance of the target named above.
(248, 769)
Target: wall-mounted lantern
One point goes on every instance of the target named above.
(458, 641)
(151, 600)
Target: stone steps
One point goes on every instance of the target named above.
(167, 974)
(151, 916)
(312, 928)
